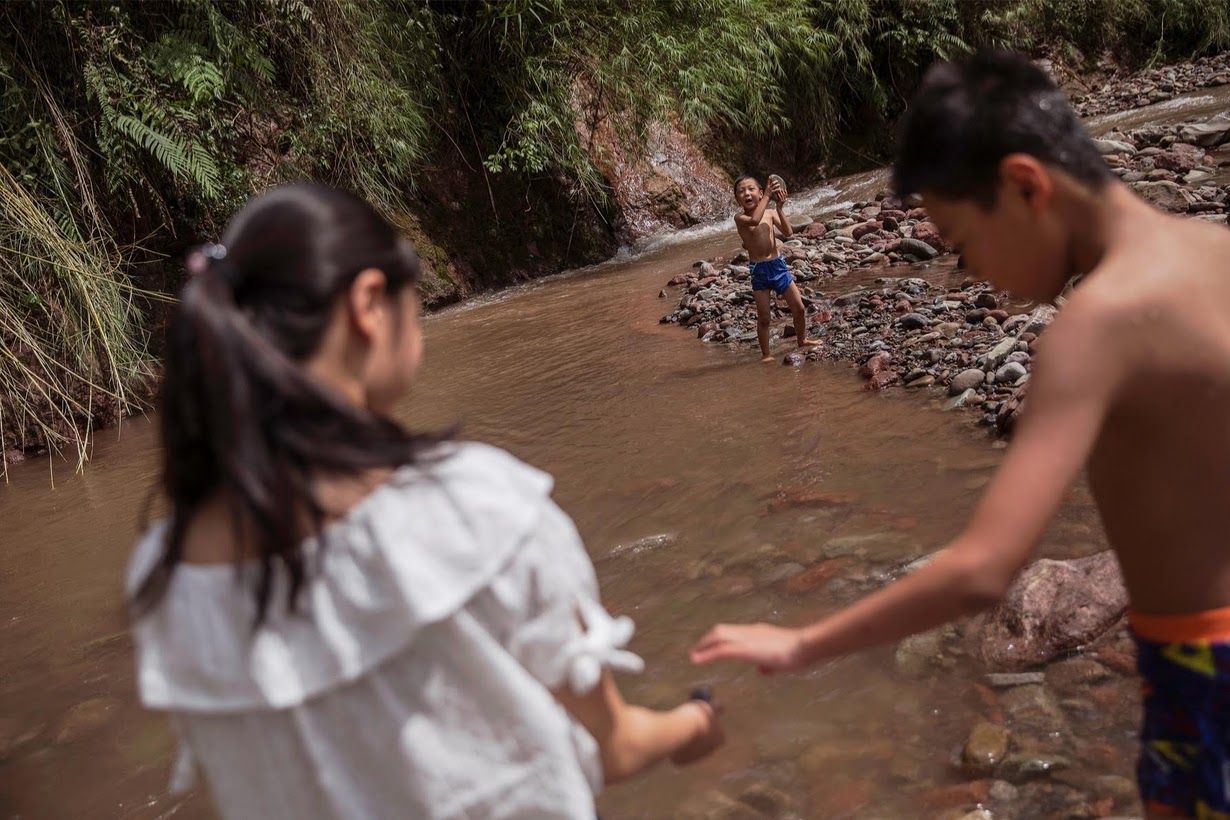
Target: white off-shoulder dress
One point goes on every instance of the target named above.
(415, 680)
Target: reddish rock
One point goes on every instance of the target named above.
(815, 577)
(14, 456)
(875, 365)
(955, 797)
(1053, 608)
(927, 232)
(1104, 807)
(870, 212)
(893, 213)
(681, 279)
(790, 497)
(1027, 337)
(1000, 316)
(815, 230)
(824, 315)
(788, 332)
(917, 213)
(879, 381)
(903, 306)
(859, 231)
(707, 281)
(706, 328)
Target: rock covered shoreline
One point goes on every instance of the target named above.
(883, 290)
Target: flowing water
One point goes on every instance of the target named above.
(668, 454)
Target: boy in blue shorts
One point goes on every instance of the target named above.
(769, 270)
(1131, 385)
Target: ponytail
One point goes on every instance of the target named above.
(241, 418)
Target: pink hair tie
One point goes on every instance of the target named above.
(198, 261)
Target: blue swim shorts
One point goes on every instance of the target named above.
(1184, 766)
(771, 274)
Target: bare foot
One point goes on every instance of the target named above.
(768, 359)
(811, 343)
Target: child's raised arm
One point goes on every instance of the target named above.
(1070, 391)
(783, 221)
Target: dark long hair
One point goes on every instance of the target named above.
(240, 416)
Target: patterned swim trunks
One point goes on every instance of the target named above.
(1184, 766)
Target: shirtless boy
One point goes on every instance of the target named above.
(769, 270)
(1132, 381)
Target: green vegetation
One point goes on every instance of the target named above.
(128, 131)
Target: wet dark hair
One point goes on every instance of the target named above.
(240, 416)
(970, 113)
(742, 177)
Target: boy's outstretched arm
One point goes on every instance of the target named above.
(1070, 391)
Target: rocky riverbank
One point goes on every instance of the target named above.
(1152, 86)
(884, 292)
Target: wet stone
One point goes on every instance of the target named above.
(1023, 766)
(767, 800)
(85, 718)
(1004, 680)
(779, 573)
(1032, 707)
(984, 749)
(1002, 791)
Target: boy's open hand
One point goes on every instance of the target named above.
(772, 648)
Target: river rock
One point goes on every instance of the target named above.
(1010, 372)
(1053, 608)
(962, 399)
(1075, 674)
(881, 380)
(1022, 766)
(876, 364)
(914, 321)
(1207, 134)
(794, 358)
(85, 718)
(916, 654)
(1032, 707)
(1002, 791)
(1007, 680)
(916, 247)
(1113, 147)
(1167, 195)
(966, 380)
(815, 230)
(984, 749)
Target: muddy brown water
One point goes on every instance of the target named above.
(667, 452)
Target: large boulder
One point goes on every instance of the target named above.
(1207, 134)
(1167, 195)
(1054, 607)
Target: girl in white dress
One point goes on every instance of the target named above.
(344, 619)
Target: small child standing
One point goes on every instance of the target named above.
(770, 273)
(345, 619)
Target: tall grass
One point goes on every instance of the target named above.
(73, 353)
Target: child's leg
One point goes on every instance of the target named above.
(764, 318)
(795, 300)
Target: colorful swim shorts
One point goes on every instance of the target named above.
(771, 274)
(1184, 766)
